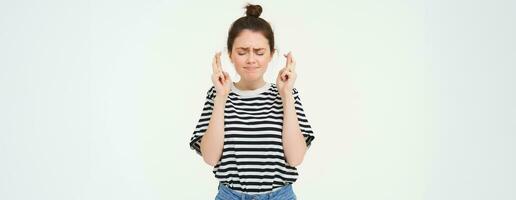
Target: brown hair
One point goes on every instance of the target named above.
(251, 21)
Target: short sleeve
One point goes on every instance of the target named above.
(304, 125)
(202, 124)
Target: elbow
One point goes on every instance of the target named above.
(209, 156)
(210, 162)
(210, 159)
(295, 159)
(294, 162)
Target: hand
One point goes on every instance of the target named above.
(287, 76)
(220, 78)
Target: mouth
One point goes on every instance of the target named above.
(251, 69)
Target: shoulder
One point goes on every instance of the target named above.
(210, 94)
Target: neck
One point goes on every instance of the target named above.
(249, 85)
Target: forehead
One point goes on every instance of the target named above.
(251, 39)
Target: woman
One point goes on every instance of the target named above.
(252, 132)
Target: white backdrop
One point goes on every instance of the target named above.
(408, 99)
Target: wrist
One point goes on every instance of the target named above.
(221, 97)
(285, 91)
(287, 96)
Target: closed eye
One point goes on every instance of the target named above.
(243, 51)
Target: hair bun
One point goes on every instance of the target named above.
(253, 10)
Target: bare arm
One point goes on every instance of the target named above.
(213, 140)
(294, 145)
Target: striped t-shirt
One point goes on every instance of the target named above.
(252, 158)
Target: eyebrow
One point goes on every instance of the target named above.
(247, 48)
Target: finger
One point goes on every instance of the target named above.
(290, 58)
(289, 75)
(283, 72)
(226, 76)
(214, 64)
(287, 56)
(281, 77)
(216, 68)
(280, 73)
(284, 75)
(223, 75)
(221, 78)
(218, 61)
(292, 63)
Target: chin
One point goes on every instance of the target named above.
(251, 77)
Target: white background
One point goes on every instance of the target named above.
(408, 99)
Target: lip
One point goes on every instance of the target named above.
(251, 68)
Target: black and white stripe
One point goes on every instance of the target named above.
(252, 159)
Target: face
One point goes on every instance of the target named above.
(251, 55)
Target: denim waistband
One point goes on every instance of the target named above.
(277, 192)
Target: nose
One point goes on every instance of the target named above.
(250, 59)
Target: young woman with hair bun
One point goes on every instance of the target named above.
(254, 133)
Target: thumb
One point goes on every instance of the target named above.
(284, 75)
(226, 76)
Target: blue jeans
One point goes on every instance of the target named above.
(284, 193)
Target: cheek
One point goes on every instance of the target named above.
(238, 62)
(263, 60)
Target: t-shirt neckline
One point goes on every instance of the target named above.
(256, 91)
